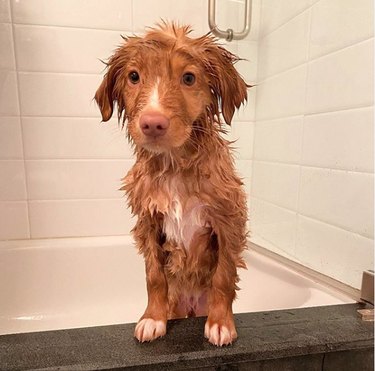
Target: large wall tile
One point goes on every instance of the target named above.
(8, 93)
(333, 251)
(64, 179)
(12, 180)
(63, 49)
(284, 48)
(243, 135)
(6, 49)
(4, 11)
(14, 220)
(276, 183)
(49, 94)
(279, 140)
(79, 218)
(180, 11)
(110, 14)
(72, 137)
(282, 95)
(331, 17)
(10, 138)
(275, 13)
(248, 51)
(341, 140)
(341, 198)
(341, 80)
(273, 227)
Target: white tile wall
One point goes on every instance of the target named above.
(351, 131)
(273, 227)
(189, 12)
(54, 49)
(338, 197)
(12, 180)
(4, 11)
(75, 179)
(331, 17)
(10, 138)
(6, 51)
(79, 218)
(60, 167)
(74, 137)
(58, 94)
(279, 140)
(314, 109)
(276, 183)
(14, 222)
(97, 14)
(8, 93)
(333, 251)
(282, 95)
(277, 55)
(276, 13)
(332, 79)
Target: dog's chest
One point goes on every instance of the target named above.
(183, 215)
(182, 221)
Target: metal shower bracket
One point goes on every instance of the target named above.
(229, 34)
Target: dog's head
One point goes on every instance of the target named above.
(166, 85)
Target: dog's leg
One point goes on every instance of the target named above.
(220, 328)
(153, 323)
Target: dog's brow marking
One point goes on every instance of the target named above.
(154, 98)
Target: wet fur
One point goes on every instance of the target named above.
(190, 168)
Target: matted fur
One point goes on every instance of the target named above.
(184, 179)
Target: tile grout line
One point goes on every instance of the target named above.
(312, 218)
(294, 164)
(126, 31)
(20, 118)
(256, 99)
(286, 21)
(309, 61)
(296, 244)
(315, 113)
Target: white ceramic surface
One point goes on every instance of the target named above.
(66, 283)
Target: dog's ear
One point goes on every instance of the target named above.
(227, 86)
(111, 89)
(104, 96)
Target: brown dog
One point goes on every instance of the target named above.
(191, 208)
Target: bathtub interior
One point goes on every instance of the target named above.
(82, 282)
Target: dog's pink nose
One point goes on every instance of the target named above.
(153, 124)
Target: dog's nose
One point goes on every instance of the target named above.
(153, 124)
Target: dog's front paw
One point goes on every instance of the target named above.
(148, 329)
(220, 334)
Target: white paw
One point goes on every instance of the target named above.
(219, 335)
(148, 329)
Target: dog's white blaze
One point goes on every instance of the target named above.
(182, 219)
(154, 97)
(180, 225)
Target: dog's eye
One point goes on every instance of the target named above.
(134, 77)
(188, 78)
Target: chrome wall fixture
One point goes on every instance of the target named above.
(229, 34)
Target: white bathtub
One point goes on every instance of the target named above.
(67, 283)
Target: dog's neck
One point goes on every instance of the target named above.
(204, 146)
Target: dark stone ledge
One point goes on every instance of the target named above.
(320, 338)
